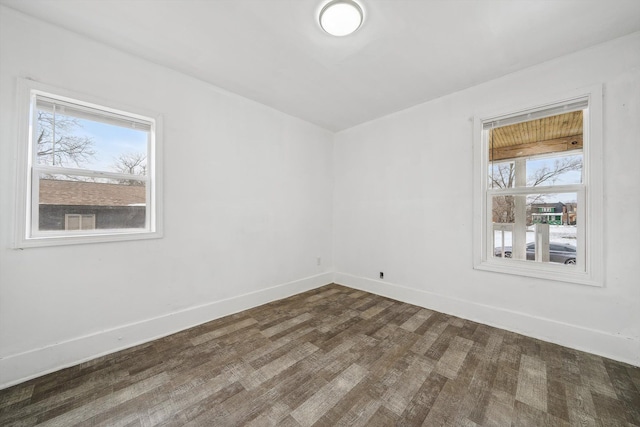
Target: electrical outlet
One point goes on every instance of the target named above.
(382, 275)
(318, 261)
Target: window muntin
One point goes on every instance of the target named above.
(83, 158)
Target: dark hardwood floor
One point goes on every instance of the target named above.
(335, 356)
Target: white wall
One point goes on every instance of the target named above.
(249, 204)
(403, 205)
(247, 210)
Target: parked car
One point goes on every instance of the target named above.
(558, 252)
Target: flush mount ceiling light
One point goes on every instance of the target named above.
(341, 17)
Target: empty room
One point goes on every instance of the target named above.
(320, 213)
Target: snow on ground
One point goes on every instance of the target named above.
(557, 234)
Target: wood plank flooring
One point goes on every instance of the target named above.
(334, 356)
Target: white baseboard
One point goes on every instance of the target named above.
(17, 368)
(616, 347)
(24, 366)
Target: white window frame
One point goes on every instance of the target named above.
(27, 233)
(589, 268)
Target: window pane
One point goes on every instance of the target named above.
(90, 203)
(502, 240)
(554, 171)
(502, 175)
(504, 209)
(80, 137)
(552, 216)
(554, 209)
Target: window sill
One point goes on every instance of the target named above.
(77, 239)
(558, 273)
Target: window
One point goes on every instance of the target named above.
(88, 171)
(79, 222)
(538, 188)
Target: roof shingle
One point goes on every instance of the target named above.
(79, 193)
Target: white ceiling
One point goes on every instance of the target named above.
(405, 53)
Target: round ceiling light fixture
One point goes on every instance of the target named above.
(341, 17)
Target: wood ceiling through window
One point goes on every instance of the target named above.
(547, 135)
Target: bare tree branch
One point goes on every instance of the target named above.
(68, 149)
(503, 176)
(132, 164)
(561, 166)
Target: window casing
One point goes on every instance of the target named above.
(87, 172)
(512, 220)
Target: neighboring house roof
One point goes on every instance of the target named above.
(79, 193)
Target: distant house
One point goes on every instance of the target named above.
(78, 205)
(553, 213)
